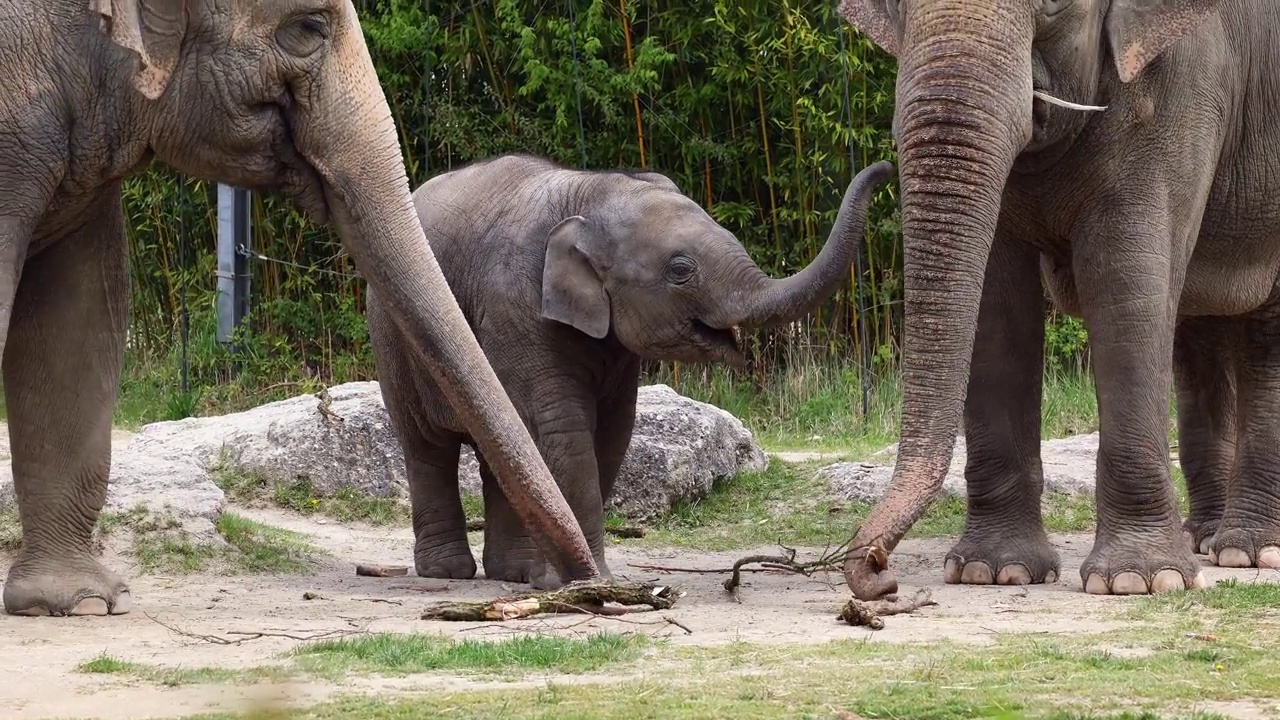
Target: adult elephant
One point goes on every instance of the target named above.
(264, 95)
(569, 279)
(1127, 146)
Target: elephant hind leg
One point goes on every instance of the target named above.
(1205, 357)
(1249, 535)
(61, 370)
(1004, 541)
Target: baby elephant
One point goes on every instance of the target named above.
(568, 279)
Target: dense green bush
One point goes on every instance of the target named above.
(761, 110)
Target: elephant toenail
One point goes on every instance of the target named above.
(1129, 583)
(1167, 581)
(976, 573)
(123, 604)
(1206, 546)
(1234, 558)
(90, 606)
(1269, 557)
(1097, 585)
(1199, 583)
(951, 571)
(1050, 577)
(1015, 574)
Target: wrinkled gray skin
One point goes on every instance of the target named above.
(1159, 210)
(569, 278)
(274, 95)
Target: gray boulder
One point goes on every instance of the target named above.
(1070, 468)
(680, 449)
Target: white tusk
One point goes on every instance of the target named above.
(1063, 103)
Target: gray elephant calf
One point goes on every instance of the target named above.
(568, 279)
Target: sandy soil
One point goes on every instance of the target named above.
(38, 657)
(43, 653)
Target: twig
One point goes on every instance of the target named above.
(624, 531)
(247, 635)
(830, 561)
(869, 612)
(571, 598)
(696, 571)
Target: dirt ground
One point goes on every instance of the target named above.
(38, 657)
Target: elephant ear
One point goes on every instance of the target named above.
(1140, 30)
(877, 19)
(572, 286)
(152, 29)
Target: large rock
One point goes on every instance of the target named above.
(1070, 467)
(680, 449)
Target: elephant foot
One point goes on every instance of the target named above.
(61, 587)
(1002, 558)
(449, 563)
(534, 571)
(1141, 564)
(1199, 533)
(1238, 547)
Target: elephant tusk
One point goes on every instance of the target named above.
(1063, 103)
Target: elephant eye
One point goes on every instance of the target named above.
(303, 35)
(680, 269)
(1053, 7)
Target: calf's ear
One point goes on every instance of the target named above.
(572, 287)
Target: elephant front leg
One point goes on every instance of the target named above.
(1205, 357)
(1124, 276)
(1249, 535)
(1004, 541)
(61, 370)
(509, 553)
(440, 547)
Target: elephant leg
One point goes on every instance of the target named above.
(509, 553)
(61, 370)
(1125, 284)
(440, 547)
(1004, 541)
(1205, 361)
(615, 421)
(1249, 535)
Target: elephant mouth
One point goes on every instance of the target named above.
(721, 344)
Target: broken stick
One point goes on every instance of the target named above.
(372, 570)
(588, 596)
(869, 612)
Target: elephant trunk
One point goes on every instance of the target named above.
(345, 130)
(772, 301)
(963, 115)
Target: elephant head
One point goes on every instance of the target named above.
(283, 96)
(981, 83)
(672, 284)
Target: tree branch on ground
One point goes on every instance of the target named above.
(247, 635)
(869, 612)
(587, 597)
(832, 560)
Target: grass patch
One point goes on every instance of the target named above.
(787, 503)
(1229, 599)
(162, 545)
(1087, 677)
(388, 653)
(10, 531)
(345, 505)
(105, 664)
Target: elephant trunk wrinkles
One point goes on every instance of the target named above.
(773, 302)
(964, 114)
(350, 139)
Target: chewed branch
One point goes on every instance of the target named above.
(1066, 104)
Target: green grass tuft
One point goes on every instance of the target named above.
(346, 505)
(105, 664)
(161, 545)
(388, 653)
